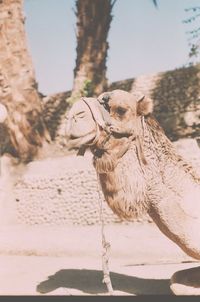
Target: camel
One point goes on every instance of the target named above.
(139, 169)
(3, 113)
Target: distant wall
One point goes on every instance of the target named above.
(59, 191)
(64, 191)
(176, 96)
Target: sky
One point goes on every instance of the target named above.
(143, 39)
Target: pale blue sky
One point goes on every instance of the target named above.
(142, 39)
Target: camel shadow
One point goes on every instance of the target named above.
(90, 282)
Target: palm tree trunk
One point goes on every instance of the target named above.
(93, 23)
(18, 88)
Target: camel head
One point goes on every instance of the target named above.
(116, 111)
(85, 119)
(125, 109)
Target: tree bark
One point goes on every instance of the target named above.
(18, 88)
(93, 23)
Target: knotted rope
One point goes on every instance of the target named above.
(105, 247)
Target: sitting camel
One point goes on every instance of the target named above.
(139, 169)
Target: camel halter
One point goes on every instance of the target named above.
(102, 121)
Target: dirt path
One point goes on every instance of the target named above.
(67, 260)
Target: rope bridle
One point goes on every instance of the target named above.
(101, 124)
(105, 244)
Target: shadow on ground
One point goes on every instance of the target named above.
(90, 282)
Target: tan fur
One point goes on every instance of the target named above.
(167, 187)
(124, 192)
(144, 106)
(168, 148)
(107, 151)
(141, 172)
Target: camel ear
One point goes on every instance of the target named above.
(144, 106)
(103, 99)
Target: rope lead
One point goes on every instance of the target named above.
(105, 248)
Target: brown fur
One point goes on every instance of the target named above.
(129, 123)
(146, 147)
(107, 151)
(141, 172)
(113, 154)
(159, 136)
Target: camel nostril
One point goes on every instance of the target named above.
(74, 118)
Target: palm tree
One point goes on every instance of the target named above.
(194, 33)
(18, 89)
(93, 24)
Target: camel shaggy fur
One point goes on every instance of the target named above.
(139, 169)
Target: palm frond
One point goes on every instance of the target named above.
(155, 3)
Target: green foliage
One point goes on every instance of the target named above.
(88, 88)
(155, 3)
(87, 91)
(194, 51)
(73, 98)
(193, 33)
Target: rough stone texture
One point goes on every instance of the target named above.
(176, 98)
(176, 103)
(64, 190)
(60, 191)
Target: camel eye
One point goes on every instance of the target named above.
(120, 111)
(81, 114)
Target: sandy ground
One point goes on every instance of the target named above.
(34, 275)
(67, 260)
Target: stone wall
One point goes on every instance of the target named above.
(176, 96)
(64, 190)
